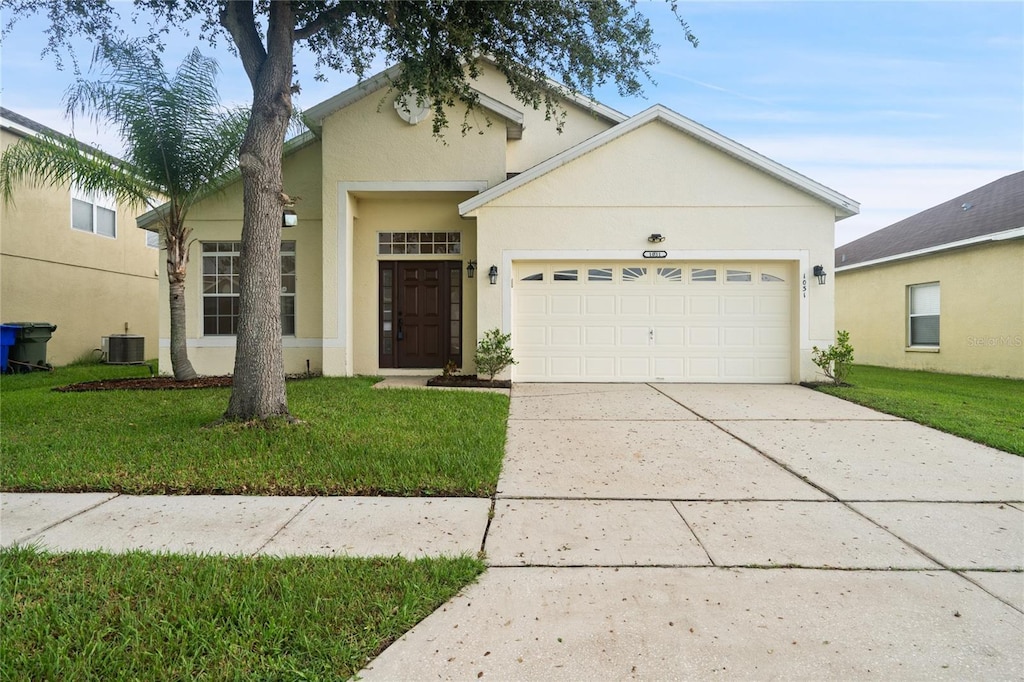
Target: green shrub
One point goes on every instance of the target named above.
(835, 361)
(493, 353)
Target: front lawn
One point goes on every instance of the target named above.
(986, 410)
(354, 439)
(160, 617)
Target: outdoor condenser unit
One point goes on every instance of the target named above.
(125, 349)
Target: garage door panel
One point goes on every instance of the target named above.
(600, 367)
(531, 304)
(531, 335)
(703, 305)
(566, 336)
(566, 305)
(566, 367)
(632, 367)
(738, 305)
(599, 336)
(777, 337)
(634, 336)
(703, 322)
(665, 337)
(742, 337)
(599, 305)
(669, 367)
(708, 337)
(674, 306)
(635, 305)
(738, 369)
(773, 305)
(702, 368)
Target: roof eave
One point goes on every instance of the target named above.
(150, 219)
(1016, 233)
(843, 205)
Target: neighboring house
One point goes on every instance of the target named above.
(76, 261)
(389, 269)
(942, 290)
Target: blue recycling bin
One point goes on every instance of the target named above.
(8, 335)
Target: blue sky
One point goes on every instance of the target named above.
(899, 105)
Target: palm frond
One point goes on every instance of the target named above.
(47, 160)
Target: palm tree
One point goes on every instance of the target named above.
(180, 145)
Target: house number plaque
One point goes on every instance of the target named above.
(655, 254)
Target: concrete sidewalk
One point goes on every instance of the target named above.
(241, 525)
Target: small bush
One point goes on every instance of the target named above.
(493, 353)
(836, 360)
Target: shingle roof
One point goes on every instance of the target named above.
(990, 209)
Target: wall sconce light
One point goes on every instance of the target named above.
(492, 274)
(819, 272)
(289, 218)
(656, 238)
(471, 269)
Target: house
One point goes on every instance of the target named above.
(642, 248)
(942, 290)
(74, 260)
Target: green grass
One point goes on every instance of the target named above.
(155, 617)
(987, 410)
(354, 440)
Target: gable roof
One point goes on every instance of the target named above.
(993, 211)
(316, 114)
(844, 206)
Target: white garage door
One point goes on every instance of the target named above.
(652, 321)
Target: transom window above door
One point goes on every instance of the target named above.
(418, 243)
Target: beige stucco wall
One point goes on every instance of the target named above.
(707, 204)
(219, 218)
(981, 310)
(88, 285)
(371, 150)
(541, 138)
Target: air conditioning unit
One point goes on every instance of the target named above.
(124, 349)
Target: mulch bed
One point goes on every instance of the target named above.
(467, 381)
(146, 384)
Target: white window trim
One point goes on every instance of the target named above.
(212, 340)
(96, 200)
(919, 348)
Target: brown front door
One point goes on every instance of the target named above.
(420, 313)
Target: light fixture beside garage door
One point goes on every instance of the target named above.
(819, 272)
(492, 274)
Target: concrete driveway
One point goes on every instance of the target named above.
(680, 531)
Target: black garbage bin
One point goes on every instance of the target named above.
(29, 349)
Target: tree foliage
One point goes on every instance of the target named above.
(441, 45)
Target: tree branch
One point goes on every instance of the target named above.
(238, 17)
(336, 14)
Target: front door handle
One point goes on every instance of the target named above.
(401, 331)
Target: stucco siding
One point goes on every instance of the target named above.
(89, 285)
(705, 203)
(541, 138)
(981, 312)
(219, 218)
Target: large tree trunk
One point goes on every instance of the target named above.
(258, 391)
(177, 264)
